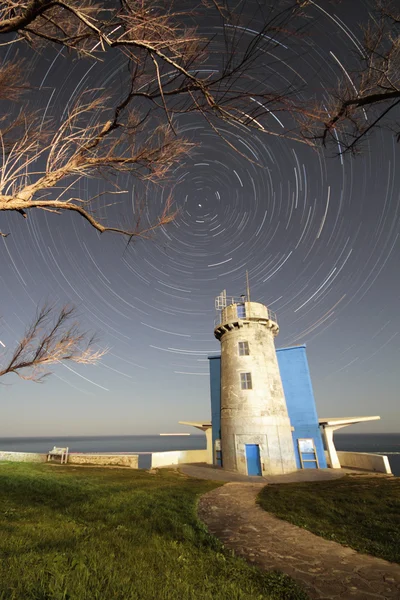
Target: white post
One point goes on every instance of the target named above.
(386, 464)
(330, 446)
(208, 432)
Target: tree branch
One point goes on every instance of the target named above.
(51, 339)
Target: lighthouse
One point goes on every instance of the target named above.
(256, 433)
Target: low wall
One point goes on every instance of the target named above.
(22, 456)
(177, 457)
(118, 460)
(365, 461)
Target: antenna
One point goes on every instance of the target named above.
(248, 286)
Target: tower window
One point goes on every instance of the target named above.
(241, 311)
(245, 381)
(244, 349)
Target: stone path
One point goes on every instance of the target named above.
(326, 569)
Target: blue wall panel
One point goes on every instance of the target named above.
(300, 400)
(299, 396)
(215, 389)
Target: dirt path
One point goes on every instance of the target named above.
(326, 569)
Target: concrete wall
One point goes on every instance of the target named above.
(177, 457)
(22, 456)
(257, 415)
(365, 461)
(300, 402)
(121, 460)
(126, 460)
(254, 310)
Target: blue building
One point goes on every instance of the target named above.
(263, 415)
(296, 381)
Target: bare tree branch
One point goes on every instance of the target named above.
(134, 130)
(365, 97)
(137, 135)
(51, 338)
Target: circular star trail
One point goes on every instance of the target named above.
(317, 233)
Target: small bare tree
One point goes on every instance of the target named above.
(367, 97)
(51, 338)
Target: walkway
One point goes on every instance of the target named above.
(326, 569)
(203, 471)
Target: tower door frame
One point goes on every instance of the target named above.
(253, 459)
(241, 439)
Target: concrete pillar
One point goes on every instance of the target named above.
(258, 414)
(209, 446)
(330, 446)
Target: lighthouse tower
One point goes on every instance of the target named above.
(256, 435)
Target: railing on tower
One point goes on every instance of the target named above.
(222, 301)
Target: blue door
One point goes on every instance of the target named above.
(253, 459)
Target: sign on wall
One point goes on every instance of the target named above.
(306, 445)
(307, 453)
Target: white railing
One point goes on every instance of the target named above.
(223, 301)
(271, 314)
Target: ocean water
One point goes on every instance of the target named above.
(386, 443)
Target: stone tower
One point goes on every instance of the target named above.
(256, 435)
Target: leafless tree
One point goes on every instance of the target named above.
(45, 158)
(53, 337)
(367, 97)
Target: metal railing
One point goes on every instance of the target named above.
(222, 301)
(249, 315)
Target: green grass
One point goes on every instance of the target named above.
(90, 533)
(363, 513)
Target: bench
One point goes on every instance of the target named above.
(61, 452)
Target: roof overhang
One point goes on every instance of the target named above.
(199, 424)
(338, 422)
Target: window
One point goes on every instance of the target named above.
(245, 381)
(244, 349)
(241, 311)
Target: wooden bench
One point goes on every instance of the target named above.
(58, 452)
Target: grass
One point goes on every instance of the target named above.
(362, 513)
(70, 533)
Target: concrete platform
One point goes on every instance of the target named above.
(204, 471)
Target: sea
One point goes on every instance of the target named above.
(145, 445)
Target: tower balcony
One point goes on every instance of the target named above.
(240, 313)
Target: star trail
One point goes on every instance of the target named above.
(318, 234)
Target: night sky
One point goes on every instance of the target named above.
(318, 234)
